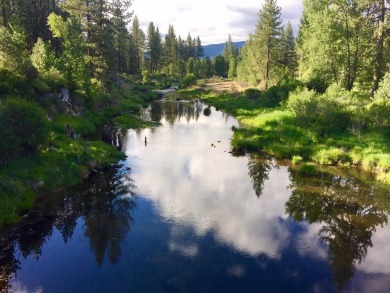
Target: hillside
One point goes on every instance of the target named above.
(217, 49)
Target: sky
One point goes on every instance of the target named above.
(211, 20)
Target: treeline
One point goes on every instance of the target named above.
(342, 42)
(80, 40)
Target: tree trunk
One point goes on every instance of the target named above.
(378, 70)
(4, 13)
(267, 66)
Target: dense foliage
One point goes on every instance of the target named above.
(323, 96)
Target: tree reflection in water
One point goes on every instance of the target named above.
(105, 207)
(258, 170)
(348, 212)
(173, 111)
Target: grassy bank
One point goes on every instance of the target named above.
(281, 132)
(64, 161)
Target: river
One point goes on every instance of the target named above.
(183, 214)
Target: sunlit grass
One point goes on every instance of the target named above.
(276, 132)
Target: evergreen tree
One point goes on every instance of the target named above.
(232, 68)
(267, 35)
(121, 38)
(182, 50)
(262, 50)
(220, 66)
(154, 47)
(137, 47)
(287, 51)
(229, 50)
(170, 48)
(190, 47)
(199, 48)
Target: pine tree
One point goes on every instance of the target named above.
(199, 48)
(154, 47)
(190, 47)
(260, 57)
(287, 51)
(170, 47)
(229, 50)
(267, 35)
(137, 48)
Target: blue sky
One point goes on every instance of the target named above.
(211, 20)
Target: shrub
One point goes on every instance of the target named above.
(13, 84)
(383, 91)
(318, 112)
(378, 112)
(145, 76)
(297, 159)
(23, 128)
(317, 84)
(189, 79)
(252, 93)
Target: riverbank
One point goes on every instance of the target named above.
(277, 129)
(74, 149)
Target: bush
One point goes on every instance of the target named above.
(318, 112)
(23, 128)
(297, 160)
(272, 97)
(252, 93)
(189, 79)
(379, 108)
(13, 84)
(317, 84)
(276, 94)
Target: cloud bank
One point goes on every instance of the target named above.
(212, 21)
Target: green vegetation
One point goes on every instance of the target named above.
(338, 112)
(105, 73)
(314, 105)
(308, 126)
(39, 155)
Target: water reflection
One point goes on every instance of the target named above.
(207, 222)
(105, 207)
(259, 173)
(173, 111)
(347, 213)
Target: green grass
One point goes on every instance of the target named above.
(275, 131)
(65, 165)
(68, 161)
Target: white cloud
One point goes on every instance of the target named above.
(208, 190)
(212, 20)
(377, 259)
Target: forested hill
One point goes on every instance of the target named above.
(214, 50)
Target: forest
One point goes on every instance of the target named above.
(318, 95)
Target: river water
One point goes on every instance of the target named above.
(182, 214)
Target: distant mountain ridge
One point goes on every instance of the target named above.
(214, 50)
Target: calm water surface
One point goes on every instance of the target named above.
(183, 214)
